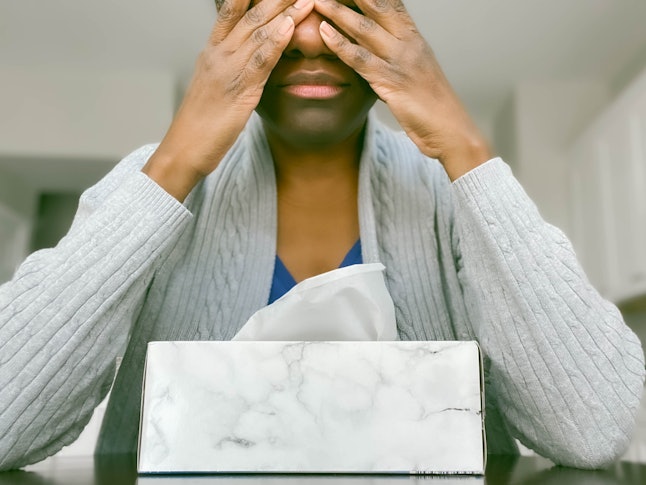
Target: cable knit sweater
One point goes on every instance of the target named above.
(470, 259)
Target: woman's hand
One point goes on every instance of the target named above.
(229, 77)
(387, 51)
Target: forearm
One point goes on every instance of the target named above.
(68, 312)
(566, 371)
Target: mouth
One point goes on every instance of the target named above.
(313, 85)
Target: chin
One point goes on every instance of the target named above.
(314, 126)
(313, 129)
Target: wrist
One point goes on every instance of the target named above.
(171, 174)
(465, 157)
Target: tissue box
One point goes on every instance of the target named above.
(312, 407)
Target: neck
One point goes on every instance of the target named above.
(306, 173)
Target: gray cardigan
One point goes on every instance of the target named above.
(465, 260)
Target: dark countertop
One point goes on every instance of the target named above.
(501, 470)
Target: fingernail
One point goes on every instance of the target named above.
(286, 25)
(301, 3)
(326, 29)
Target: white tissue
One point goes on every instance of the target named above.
(350, 303)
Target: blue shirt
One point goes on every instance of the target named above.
(283, 280)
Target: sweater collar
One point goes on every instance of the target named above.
(262, 157)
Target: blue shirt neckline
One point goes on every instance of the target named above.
(283, 281)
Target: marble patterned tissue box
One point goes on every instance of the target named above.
(312, 407)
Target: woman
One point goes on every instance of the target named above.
(185, 240)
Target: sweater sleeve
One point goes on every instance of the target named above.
(566, 372)
(67, 313)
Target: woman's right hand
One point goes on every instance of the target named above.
(228, 81)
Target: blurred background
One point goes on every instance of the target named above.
(559, 88)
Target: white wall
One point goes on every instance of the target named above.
(82, 113)
(535, 129)
(65, 127)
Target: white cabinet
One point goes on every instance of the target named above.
(608, 181)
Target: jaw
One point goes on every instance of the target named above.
(313, 125)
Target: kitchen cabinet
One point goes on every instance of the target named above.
(608, 187)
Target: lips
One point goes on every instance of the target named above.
(313, 85)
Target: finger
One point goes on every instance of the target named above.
(390, 14)
(364, 62)
(229, 14)
(264, 12)
(364, 30)
(275, 34)
(262, 58)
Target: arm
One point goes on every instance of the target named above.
(230, 74)
(67, 313)
(387, 51)
(566, 372)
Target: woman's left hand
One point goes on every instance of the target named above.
(391, 55)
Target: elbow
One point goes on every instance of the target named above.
(591, 440)
(18, 450)
(593, 447)
(10, 460)
(599, 455)
(599, 439)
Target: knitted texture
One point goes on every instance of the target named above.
(465, 260)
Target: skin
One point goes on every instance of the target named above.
(312, 69)
(299, 120)
(401, 68)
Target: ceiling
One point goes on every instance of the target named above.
(485, 46)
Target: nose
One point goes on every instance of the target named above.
(307, 41)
